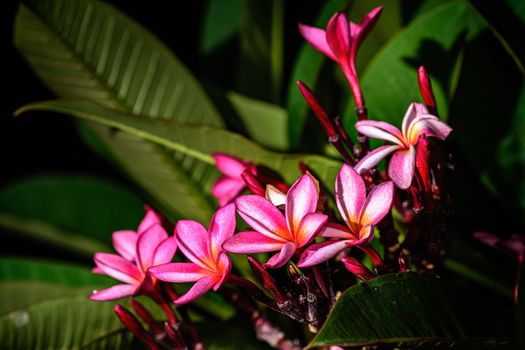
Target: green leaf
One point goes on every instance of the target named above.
(306, 68)
(229, 335)
(87, 49)
(507, 27)
(67, 322)
(265, 123)
(197, 141)
(433, 40)
(221, 22)
(86, 205)
(390, 308)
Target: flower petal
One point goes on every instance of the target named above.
(197, 290)
(309, 228)
(427, 125)
(365, 27)
(192, 240)
(165, 251)
(117, 267)
(224, 267)
(263, 217)
(251, 242)
(317, 38)
(301, 200)
(281, 258)
(151, 218)
(321, 252)
(410, 115)
(338, 37)
(226, 189)
(179, 272)
(222, 227)
(350, 194)
(401, 167)
(125, 243)
(148, 243)
(373, 158)
(377, 205)
(230, 166)
(333, 230)
(115, 292)
(380, 130)
(275, 195)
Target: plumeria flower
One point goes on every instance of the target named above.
(209, 264)
(340, 42)
(228, 187)
(359, 212)
(417, 122)
(138, 252)
(275, 231)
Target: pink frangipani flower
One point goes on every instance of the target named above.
(275, 231)
(138, 251)
(228, 187)
(417, 122)
(359, 212)
(209, 264)
(340, 42)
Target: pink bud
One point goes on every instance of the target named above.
(358, 269)
(253, 183)
(146, 316)
(134, 326)
(319, 112)
(425, 88)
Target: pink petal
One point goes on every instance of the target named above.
(413, 111)
(226, 189)
(115, 292)
(125, 243)
(401, 167)
(275, 195)
(251, 242)
(317, 38)
(192, 240)
(224, 267)
(309, 228)
(338, 37)
(358, 269)
(427, 125)
(151, 218)
(321, 252)
(373, 158)
(221, 228)
(281, 258)
(380, 131)
(378, 204)
(165, 251)
(333, 230)
(230, 166)
(179, 272)
(263, 217)
(350, 194)
(117, 267)
(366, 235)
(148, 243)
(197, 290)
(365, 26)
(301, 200)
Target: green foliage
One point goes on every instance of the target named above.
(390, 308)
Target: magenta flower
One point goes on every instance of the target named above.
(275, 231)
(210, 265)
(340, 42)
(228, 187)
(417, 122)
(359, 212)
(138, 251)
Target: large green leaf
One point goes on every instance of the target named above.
(88, 49)
(83, 204)
(434, 40)
(266, 123)
(390, 308)
(197, 141)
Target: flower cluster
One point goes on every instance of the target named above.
(308, 240)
